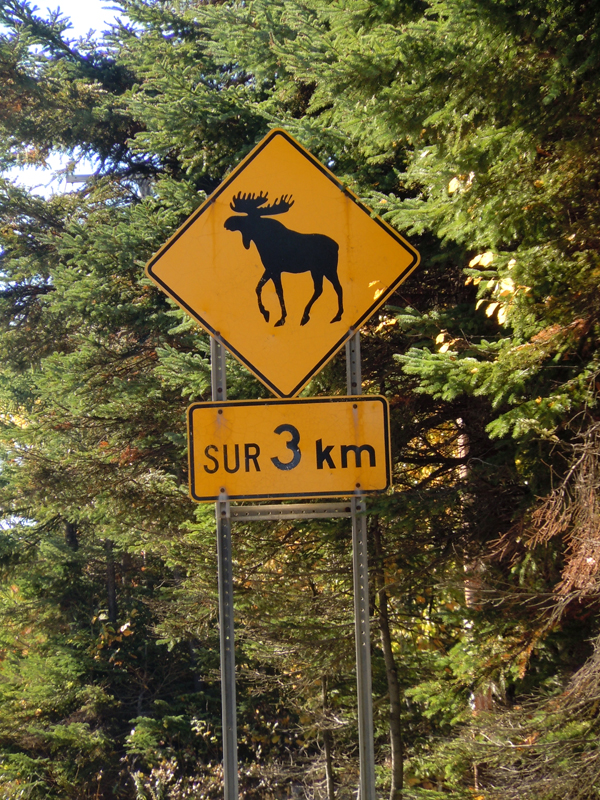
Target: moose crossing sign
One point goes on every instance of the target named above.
(309, 447)
(282, 263)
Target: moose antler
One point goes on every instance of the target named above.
(280, 206)
(247, 203)
(250, 204)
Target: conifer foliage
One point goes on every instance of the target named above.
(471, 126)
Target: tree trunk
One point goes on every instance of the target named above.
(111, 582)
(126, 567)
(473, 587)
(71, 535)
(396, 740)
(327, 743)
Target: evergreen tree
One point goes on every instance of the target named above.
(471, 126)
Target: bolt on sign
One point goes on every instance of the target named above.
(265, 449)
(282, 264)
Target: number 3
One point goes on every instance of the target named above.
(292, 445)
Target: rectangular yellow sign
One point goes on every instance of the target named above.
(265, 449)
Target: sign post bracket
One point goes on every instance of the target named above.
(292, 511)
(226, 624)
(361, 603)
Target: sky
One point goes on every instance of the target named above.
(84, 15)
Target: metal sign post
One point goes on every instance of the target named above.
(361, 604)
(356, 509)
(226, 627)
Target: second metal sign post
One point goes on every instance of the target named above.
(226, 622)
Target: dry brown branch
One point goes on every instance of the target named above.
(572, 511)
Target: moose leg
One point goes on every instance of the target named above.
(279, 290)
(318, 282)
(259, 289)
(340, 296)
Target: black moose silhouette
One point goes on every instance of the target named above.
(284, 250)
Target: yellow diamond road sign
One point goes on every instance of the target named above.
(301, 447)
(282, 263)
